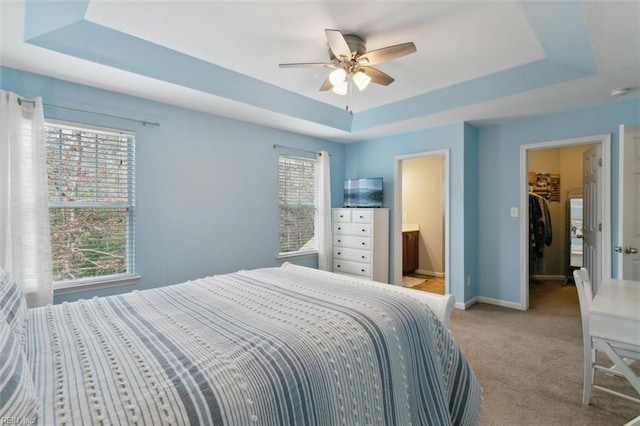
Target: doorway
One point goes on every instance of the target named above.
(552, 155)
(421, 222)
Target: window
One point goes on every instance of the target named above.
(297, 205)
(91, 203)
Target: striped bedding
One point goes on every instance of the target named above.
(275, 346)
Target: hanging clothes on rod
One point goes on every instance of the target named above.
(540, 230)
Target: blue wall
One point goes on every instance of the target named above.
(485, 176)
(498, 253)
(377, 157)
(206, 185)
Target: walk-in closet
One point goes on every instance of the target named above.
(555, 213)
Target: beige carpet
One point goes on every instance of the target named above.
(530, 363)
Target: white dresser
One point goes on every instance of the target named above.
(361, 243)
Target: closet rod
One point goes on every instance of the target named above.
(275, 145)
(143, 122)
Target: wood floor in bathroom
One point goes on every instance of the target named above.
(431, 284)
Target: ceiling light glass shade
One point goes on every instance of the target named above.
(341, 89)
(337, 77)
(361, 80)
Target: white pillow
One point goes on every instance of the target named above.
(13, 306)
(17, 395)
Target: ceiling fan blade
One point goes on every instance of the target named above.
(378, 76)
(338, 44)
(326, 85)
(309, 65)
(388, 53)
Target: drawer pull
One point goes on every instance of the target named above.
(364, 244)
(364, 230)
(339, 241)
(339, 229)
(364, 257)
(338, 266)
(362, 270)
(339, 253)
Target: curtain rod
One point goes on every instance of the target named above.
(275, 145)
(143, 122)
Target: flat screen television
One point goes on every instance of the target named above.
(365, 192)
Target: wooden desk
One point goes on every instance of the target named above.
(615, 311)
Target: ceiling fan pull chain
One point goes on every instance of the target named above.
(349, 93)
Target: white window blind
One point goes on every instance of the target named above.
(297, 204)
(91, 202)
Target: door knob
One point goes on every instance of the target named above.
(630, 250)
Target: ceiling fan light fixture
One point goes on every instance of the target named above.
(338, 77)
(341, 89)
(361, 80)
(350, 62)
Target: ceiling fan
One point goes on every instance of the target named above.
(351, 62)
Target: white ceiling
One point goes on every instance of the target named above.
(461, 47)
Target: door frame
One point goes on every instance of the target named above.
(397, 217)
(605, 192)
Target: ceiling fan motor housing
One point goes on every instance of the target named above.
(356, 44)
(353, 62)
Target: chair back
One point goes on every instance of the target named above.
(585, 296)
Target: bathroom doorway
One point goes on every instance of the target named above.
(421, 222)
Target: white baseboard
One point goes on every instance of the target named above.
(430, 273)
(467, 305)
(487, 300)
(499, 302)
(547, 277)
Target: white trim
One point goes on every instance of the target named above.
(97, 283)
(397, 217)
(605, 192)
(464, 306)
(548, 277)
(620, 194)
(498, 302)
(430, 273)
(295, 254)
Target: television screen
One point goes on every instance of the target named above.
(363, 192)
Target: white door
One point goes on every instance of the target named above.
(592, 209)
(629, 197)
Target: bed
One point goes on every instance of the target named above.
(274, 346)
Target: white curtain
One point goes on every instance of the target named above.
(25, 245)
(325, 258)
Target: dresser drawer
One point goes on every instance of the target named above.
(354, 268)
(342, 215)
(348, 241)
(355, 229)
(361, 216)
(343, 253)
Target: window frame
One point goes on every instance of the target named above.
(113, 280)
(303, 252)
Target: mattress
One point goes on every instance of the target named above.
(273, 346)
